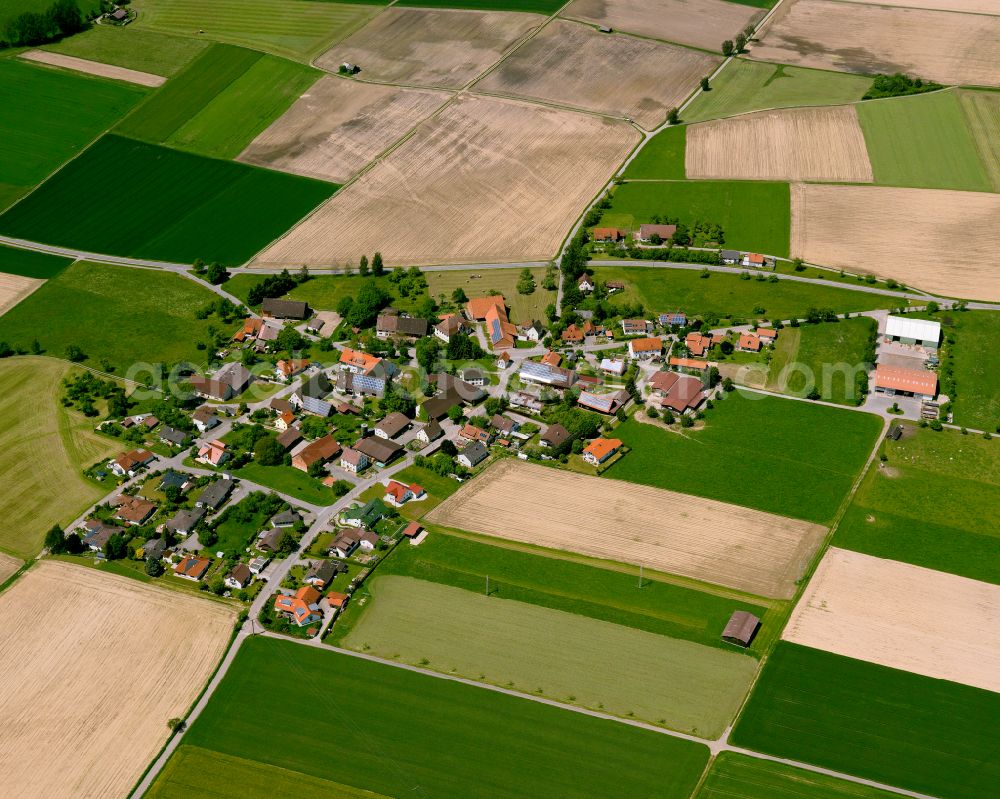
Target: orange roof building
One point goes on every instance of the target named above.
(600, 449)
(572, 334)
(501, 332)
(749, 342)
(766, 334)
(689, 363)
(337, 600)
(645, 347)
(552, 358)
(358, 362)
(893, 380)
(302, 607)
(698, 344)
(478, 307)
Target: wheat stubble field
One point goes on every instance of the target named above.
(101, 663)
(902, 616)
(823, 144)
(484, 181)
(94, 68)
(936, 240)
(704, 539)
(14, 288)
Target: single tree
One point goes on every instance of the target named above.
(740, 42)
(363, 266)
(526, 282)
(727, 48)
(55, 540)
(377, 267)
(704, 85)
(216, 273)
(75, 354)
(674, 117)
(268, 452)
(154, 566)
(459, 296)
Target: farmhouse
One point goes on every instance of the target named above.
(749, 342)
(302, 607)
(358, 384)
(392, 425)
(919, 332)
(898, 380)
(741, 628)
(319, 451)
(239, 577)
(554, 437)
(642, 349)
(662, 232)
(215, 494)
(285, 309)
(192, 568)
(477, 308)
(601, 449)
(396, 326)
(613, 366)
(501, 332)
(133, 510)
(678, 392)
(636, 327)
(608, 234)
(449, 325)
(555, 376)
(230, 380)
(603, 403)
(698, 344)
(474, 454)
(353, 461)
(379, 451)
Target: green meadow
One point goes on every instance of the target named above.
(894, 727)
(132, 48)
(982, 112)
(407, 731)
(933, 503)
(532, 6)
(977, 368)
(661, 158)
(28, 263)
(808, 456)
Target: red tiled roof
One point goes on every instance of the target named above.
(898, 378)
(600, 448)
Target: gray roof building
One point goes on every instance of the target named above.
(285, 309)
(216, 493)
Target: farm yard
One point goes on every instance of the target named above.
(433, 728)
(950, 48)
(894, 727)
(930, 505)
(938, 241)
(438, 48)
(901, 616)
(535, 650)
(131, 48)
(576, 65)
(338, 126)
(83, 722)
(819, 144)
(749, 550)
(93, 68)
(442, 184)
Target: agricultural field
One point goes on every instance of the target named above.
(339, 126)
(754, 216)
(435, 729)
(131, 48)
(28, 263)
(165, 204)
(443, 184)
(14, 288)
(982, 113)
(33, 423)
(83, 721)
(438, 48)
(977, 404)
(936, 45)
(894, 727)
(736, 776)
(562, 656)
(938, 241)
(576, 65)
(96, 307)
(8, 567)
(820, 144)
(48, 116)
(662, 157)
(296, 29)
(924, 141)
(931, 504)
(756, 86)
(745, 549)
(703, 24)
(810, 454)
(532, 6)
(96, 68)
(902, 616)
(971, 6)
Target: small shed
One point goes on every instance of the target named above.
(741, 629)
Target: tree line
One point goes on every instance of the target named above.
(62, 18)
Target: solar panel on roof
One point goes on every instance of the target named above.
(497, 334)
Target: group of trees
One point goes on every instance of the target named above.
(276, 285)
(58, 543)
(62, 18)
(362, 310)
(82, 391)
(215, 273)
(898, 85)
(376, 269)
(526, 282)
(408, 282)
(735, 46)
(227, 311)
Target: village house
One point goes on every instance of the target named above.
(97, 534)
(897, 380)
(311, 405)
(361, 363)
(361, 385)
(689, 363)
(613, 366)
(337, 600)
(154, 548)
(449, 325)
(270, 541)
(601, 449)
(663, 232)
(748, 342)
(678, 392)
(258, 564)
(614, 286)
(636, 327)
(398, 494)
(302, 607)
(429, 432)
(573, 334)
(286, 518)
(914, 332)
(380, 451)
(504, 426)
(350, 540)
(321, 573)
(286, 370)
(675, 318)
(239, 577)
(185, 521)
(603, 403)
(522, 399)
(533, 331)
(551, 359)
(173, 437)
(170, 478)
(396, 326)
(755, 260)
(554, 437)
(353, 461)
(501, 332)
(767, 335)
(474, 454)
(730, 257)
(392, 425)
(475, 377)
(192, 568)
(697, 344)
(213, 453)
(546, 375)
(215, 494)
(642, 349)
(285, 309)
(608, 234)
(320, 451)
(204, 419)
(504, 360)
(584, 284)
(133, 511)
(284, 421)
(366, 515)
(472, 433)
(130, 463)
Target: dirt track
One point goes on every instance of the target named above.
(94, 68)
(749, 550)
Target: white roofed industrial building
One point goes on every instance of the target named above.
(907, 330)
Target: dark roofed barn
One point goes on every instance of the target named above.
(741, 629)
(285, 309)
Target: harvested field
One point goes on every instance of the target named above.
(94, 68)
(338, 126)
(99, 672)
(430, 47)
(902, 616)
(936, 45)
(969, 6)
(702, 23)
(14, 288)
(824, 144)
(700, 538)
(939, 241)
(8, 566)
(485, 181)
(576, 65)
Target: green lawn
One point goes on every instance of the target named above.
(534, 6)
(754, 215)
(298, 29)
(735, 776)
(931, 736)
(114, 313)
(235, 534)
(288, 480)
(754, 86)
(49, 115)
(727, 296)
(523, 307)
(536, 650)
(808, 455)
(408, 732)
(132, 48)
(922, 141)
(29, 263)
(982, 112)
(662, 157)
(124, 197)
(933, 505)
(977, 369)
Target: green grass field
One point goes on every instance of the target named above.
(43, 449)
(894, 727)
(113, 313)
(124, 197)
(535, 650)
(297, 29)
(727, 296)
(662, 158)
(288, 481)
(534, 6)
(982, 113)
(409, 733)
(934, 504)
(754, 215)
(977, 369)
(809, 455)
(754, 86)
(28, 263)
(47, 116)
(922, 141)
(825, 356)
(736, 776)
(131, 48)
